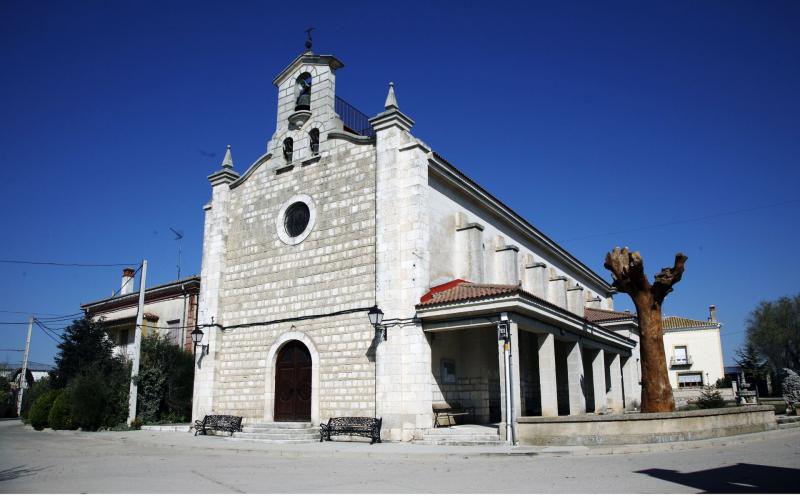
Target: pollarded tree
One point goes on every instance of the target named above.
(628, 270)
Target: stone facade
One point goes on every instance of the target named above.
(383, 220)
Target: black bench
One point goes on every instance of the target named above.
(354, 426)
(227, 423)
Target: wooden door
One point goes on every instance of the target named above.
(293, 383)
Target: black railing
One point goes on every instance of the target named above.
(354, 120)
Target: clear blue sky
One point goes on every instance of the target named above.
(599, 123)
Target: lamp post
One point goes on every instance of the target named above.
(197, 338)
(375, 316)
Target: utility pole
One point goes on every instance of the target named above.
(137, 346)
(23, 381)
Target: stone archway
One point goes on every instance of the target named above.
(296, 343)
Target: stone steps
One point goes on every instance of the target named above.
(788, 421)
(278, 432)
(461, 436)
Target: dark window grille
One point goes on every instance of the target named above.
(354, 120)
(296, 219)
(314, 135)
(288, 149)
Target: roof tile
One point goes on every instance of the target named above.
(678, 323)
(603, 315)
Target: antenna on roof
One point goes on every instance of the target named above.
(178, 238)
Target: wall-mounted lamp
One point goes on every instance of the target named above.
(197, 337)
(375, 316)
(503, 329)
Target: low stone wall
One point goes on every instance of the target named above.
(640, 428)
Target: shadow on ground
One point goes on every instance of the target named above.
(739, 478)
(19, 471)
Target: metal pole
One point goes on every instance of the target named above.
(23, 381)
(137, 346)
(509, 416)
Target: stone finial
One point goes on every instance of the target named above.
(227, 162)
(391, 100)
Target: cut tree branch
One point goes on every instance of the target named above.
(628, 270)
(668, 277)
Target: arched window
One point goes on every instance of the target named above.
(314, 136)
(303, 92)
(288, 149)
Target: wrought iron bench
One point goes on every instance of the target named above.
(450, 412)
(226, 423)
(354, 426)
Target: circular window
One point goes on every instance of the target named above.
(296, 219)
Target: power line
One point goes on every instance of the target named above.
(682, 221)
(53, 336)
(52, 315)
(63, 264)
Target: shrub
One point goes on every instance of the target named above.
(60, 416)
(166, 376)
(136, 424)
(8, 407)
(40, 411)
(710, 398)
(90, 398)
(31, 394)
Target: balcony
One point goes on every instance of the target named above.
(678, 362)
(354, 120)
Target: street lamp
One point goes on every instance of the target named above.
(197, 337)
(502, 328)
(375, 316)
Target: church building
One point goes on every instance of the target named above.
(345, 214)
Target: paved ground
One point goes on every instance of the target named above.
(155, 462)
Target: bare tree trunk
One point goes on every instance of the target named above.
(628, 271)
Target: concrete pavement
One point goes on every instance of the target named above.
(158, 462)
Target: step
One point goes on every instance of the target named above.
(788, 425)
(288, 436)
(280, 425)
(276, 441)
(455, 431)
(279, 430)
(450, 442)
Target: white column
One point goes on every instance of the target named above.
(630, 382)
(577, 398)
(547, 374)
(501, 365)
(615, 373)
(599, 380)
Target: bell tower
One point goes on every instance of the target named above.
(306, 106)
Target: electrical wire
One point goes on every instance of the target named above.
(62, 264)
(53, 336)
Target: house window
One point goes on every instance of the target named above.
(123, 338)
(296, 219)
(680, 355)
(288, 149)
(690, 380)
(314, 136)
(174, 331)
(448, 371)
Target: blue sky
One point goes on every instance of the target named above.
(669, 126)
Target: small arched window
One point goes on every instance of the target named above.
(303, 92)
(288, 149)
(314, 136)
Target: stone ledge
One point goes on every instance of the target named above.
(644, 416)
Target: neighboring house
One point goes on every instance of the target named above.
(343, 212)
(36, 371)
(169, 310)
(693, 349)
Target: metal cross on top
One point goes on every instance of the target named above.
(308, 38)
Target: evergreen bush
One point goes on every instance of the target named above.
(40, 411)
(90, 401)
(31, 394)
(60, 416)
(8, 407)
(710, 398)
(166, 378)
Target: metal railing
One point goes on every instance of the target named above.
(685, 361)
(353, 119)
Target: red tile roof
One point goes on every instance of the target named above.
(458, 290)
(603, 315)
(678, 323)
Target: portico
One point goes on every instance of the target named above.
(557, 364)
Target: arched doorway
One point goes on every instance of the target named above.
(293, 383)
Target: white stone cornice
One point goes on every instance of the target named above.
(223, 176)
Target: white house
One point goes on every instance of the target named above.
(693, 350)
(343, 212)
(170, 310)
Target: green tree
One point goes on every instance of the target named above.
(751, 362)
(84, 347)
(773, 331)
(40, 411)
(31, 394)
(7, 401)
(166, 376)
